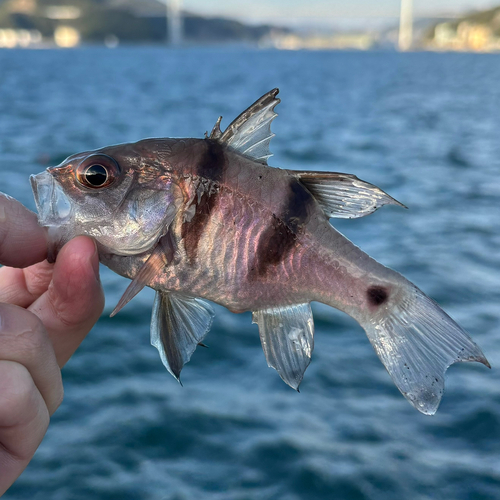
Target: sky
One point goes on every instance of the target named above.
(296, 13)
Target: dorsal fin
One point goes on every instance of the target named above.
(250, 133)
(344, 196)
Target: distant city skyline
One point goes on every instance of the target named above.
(298, 13)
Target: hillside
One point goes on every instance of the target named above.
(129, 21)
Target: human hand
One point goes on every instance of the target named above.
(46, 310)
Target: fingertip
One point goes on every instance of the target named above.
(79, 256)
(80, 246)
(23, 241)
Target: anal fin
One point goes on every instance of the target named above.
(178, 325)
(287, 337)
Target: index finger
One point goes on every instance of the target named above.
(22, 241)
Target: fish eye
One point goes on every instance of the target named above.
(97, 171)
(96, 175)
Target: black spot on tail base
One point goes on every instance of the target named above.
(377, 295)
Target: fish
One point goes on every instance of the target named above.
(203, 220)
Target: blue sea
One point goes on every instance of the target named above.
(424, 127)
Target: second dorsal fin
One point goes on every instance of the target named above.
(344, 196)
(250, 133)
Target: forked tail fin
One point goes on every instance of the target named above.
(417, 342)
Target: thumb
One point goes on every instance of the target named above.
(74, 299)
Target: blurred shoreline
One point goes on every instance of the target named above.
(40, 24)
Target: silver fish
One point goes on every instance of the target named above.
(208, 219)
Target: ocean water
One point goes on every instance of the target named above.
(425, 128)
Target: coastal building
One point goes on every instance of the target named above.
(63, 35)
(464, 37)
(11, 39)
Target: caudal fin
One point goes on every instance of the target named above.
(417, 342)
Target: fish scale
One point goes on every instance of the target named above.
(209, 219)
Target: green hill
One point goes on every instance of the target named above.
(132, 21)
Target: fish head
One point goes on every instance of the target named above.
(123, 196)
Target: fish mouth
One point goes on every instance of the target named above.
(53, 206)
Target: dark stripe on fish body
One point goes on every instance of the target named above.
(211, 166)
(274, 244)
(297, 209)
(279, 238)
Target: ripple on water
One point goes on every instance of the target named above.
(422, 126)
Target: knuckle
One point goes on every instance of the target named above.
(59, 302)
(17, 391)
(76, 300)
(31, 339)
(37, 278)
(21, 331)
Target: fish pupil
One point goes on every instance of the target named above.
(96, 175)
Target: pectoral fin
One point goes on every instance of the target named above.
(250, 133)
(178, 324)
(344, 196)
(287, 337)
(161, 256)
